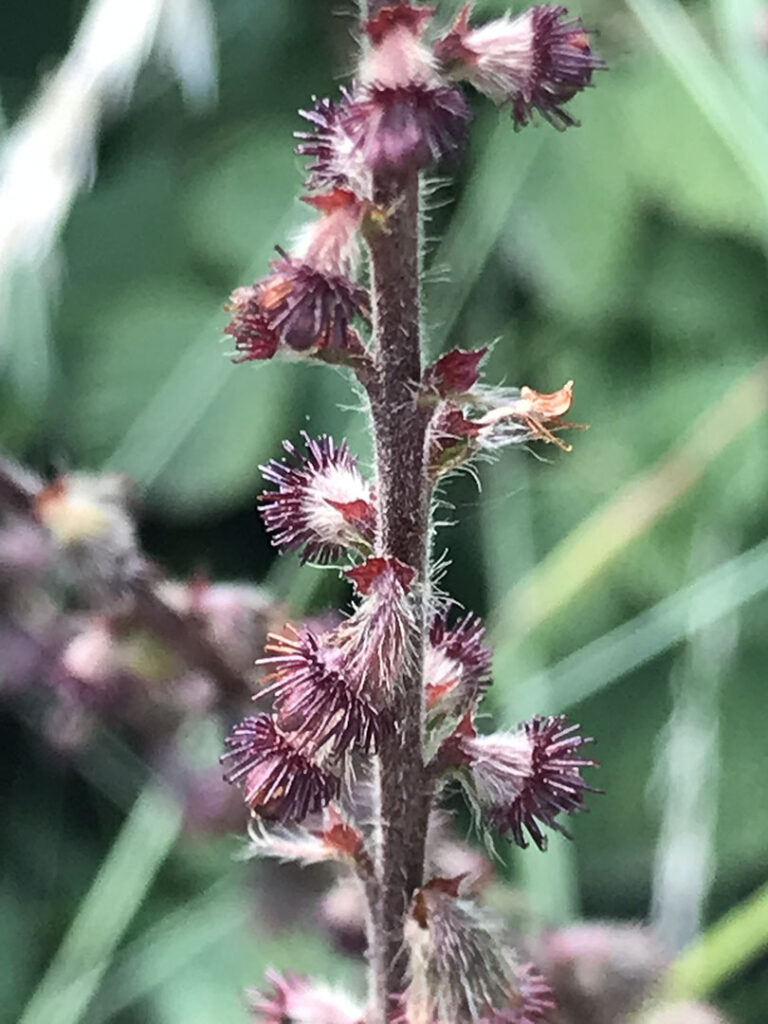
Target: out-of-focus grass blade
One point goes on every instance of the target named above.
(480, 218)
(727, 947)
(590, 548)
(712, 597)
(179, 938)
(738, 22)
(175, 407)
(687, 775)
(675, 36)
(74, 975)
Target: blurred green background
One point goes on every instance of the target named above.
(625, 582)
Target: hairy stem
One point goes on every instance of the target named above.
(400, 429)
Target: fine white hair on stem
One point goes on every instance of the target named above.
(48, 156)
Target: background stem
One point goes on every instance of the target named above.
(400, 429)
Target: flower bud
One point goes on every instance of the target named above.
(403, 115)
(457, 666)
(375, 637)
(462, 970)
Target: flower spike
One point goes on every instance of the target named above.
(322, 505)
(279, 780)
(535, 61)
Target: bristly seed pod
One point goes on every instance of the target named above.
(322, 504)
(375, 637)
(279, 778)
(523, 779)
(308, 300)
(313, 693)
(461, 968)
(534, 61)
(403, 115)
(297, 1000)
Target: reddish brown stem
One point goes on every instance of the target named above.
(400, 428)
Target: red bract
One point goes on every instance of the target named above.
(279, 779)
(535, 61)
(455, 373)
(322, 505)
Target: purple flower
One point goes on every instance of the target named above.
(407, 126)
(336, 159)
(535, 61)
(322, 504)
(279, 778)
(524, 779)
(312, 693)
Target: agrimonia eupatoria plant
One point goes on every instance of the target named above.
(387, 700)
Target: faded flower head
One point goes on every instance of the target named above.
(322, 504)
(522, 780)
(278, 776)
(481, 422)
(293, 999)
(308, 299)
(535, 61)
(602, 971)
